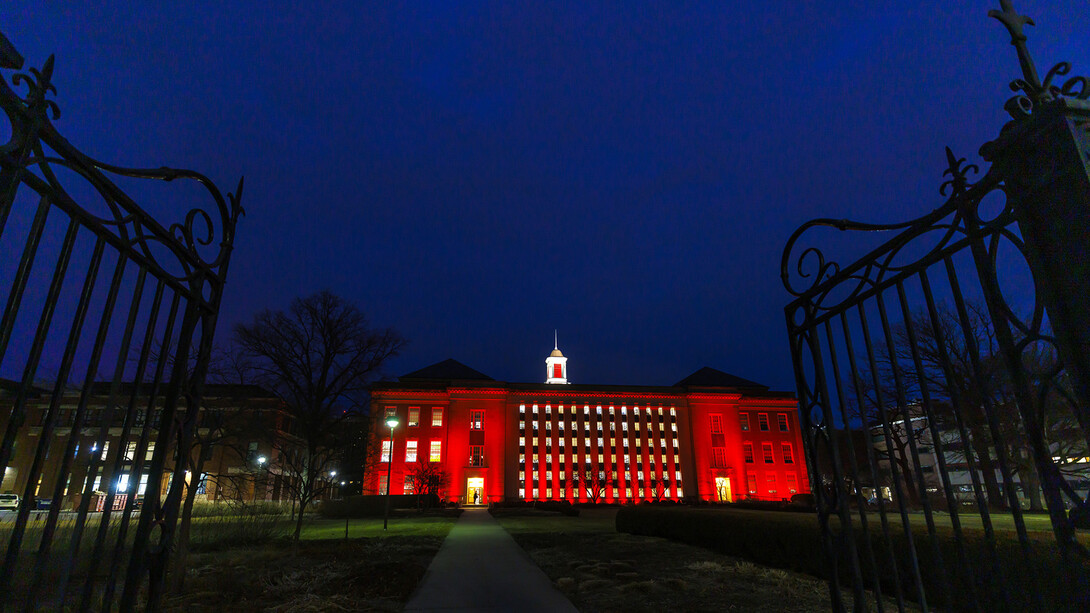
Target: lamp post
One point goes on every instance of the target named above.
(260, 464)
(345, 512)
(391, 421)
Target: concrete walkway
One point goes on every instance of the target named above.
(481, 568)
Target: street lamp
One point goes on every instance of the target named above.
(391, 421)
(260, 464)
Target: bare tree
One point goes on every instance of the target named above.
(660, 487)
(593, 482)
(428, 479)
(318, 357)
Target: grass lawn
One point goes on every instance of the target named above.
(600, 569)
(371, 571)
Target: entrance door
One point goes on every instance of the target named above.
(722, 489)
(475, 490)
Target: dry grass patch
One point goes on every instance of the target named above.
(355, 575)
(602, 570)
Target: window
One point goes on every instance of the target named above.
(781, 419)
(476, 455)
(408, 486)
(717, 424)
(476, 420)
(436, 451)
(771, 482)
(385, 452)
(558, 372)
(743, 419)
(762, 421)
(751, 482)
(748, 447)
(720, 456)
(414, 417)
(788, 456)
(792, 483)
(382, 484)
(436, 417)
(766, 450)
(410, 451)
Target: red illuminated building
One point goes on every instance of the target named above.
(712, 436)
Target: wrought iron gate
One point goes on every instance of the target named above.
(88, 291)
(944, 377)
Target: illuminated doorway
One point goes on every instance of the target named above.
(475, 490)
(722, 489)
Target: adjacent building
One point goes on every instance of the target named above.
(711, 436)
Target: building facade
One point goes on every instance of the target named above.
(241, 431)
(712, 436)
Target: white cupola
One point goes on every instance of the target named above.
(556, 365)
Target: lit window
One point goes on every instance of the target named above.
(522, 493)
(677, 479)
(788, 456)
(599, 410)
(762, 421)
(748, 450)
(414, 416)
(522, 408)
(600, 444)
(385, 451)
(743, 421)
(382, 484)
(781, 418)
(624, 426)
(476, 420)
(522, 441)
(408, 486)
(436, 449)
(522, 475)
(410, 451)
(436, 417)
(792, 483)
(766, 450)
(548, 492)
(628, 492)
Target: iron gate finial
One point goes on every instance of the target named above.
(1014, 24)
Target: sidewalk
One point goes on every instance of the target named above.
(481, 568)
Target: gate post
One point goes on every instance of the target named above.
(1044, 155)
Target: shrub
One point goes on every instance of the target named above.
(793, 541)
(373, 506)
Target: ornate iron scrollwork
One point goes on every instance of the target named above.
(1035, 92)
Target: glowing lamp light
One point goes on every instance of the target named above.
(392, 421)
(342, 483)
(332, 473)
(262, 459)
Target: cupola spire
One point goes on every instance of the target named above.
(556, 365)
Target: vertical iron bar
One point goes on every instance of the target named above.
(138, 461)
(895, 471)
(850, 451)
(19, 283)
(18, 414)
(861, 398)
(51, 417)
(107, 412)
(72, 446)
(122, 442)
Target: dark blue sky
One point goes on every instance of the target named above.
(476, 176)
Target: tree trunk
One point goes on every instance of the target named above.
(993, 492)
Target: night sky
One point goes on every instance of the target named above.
(478, 174)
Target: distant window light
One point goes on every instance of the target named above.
(436, 417)
(414, 416)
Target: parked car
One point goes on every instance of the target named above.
(9, 502)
